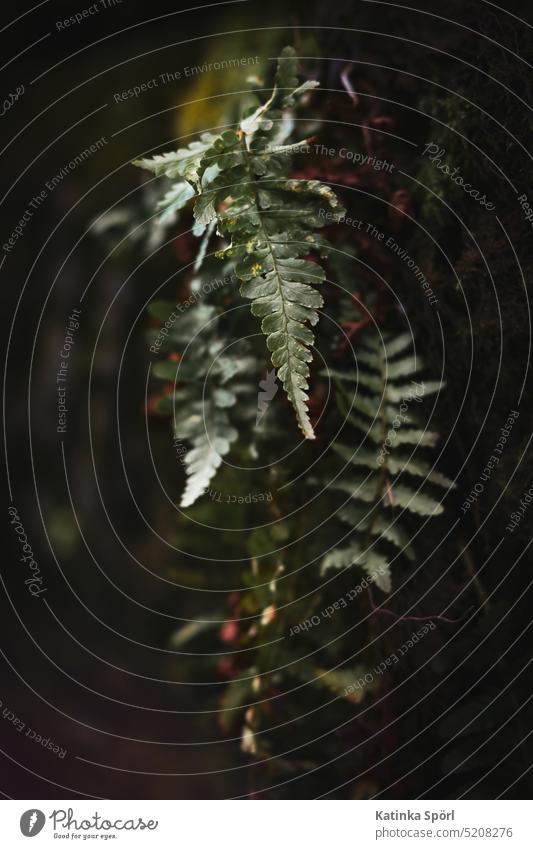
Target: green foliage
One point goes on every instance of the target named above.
(269, 222)
(266, 226)
(386, 482)
(365, 498)
(205, 389)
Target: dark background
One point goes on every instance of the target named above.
(94, 668)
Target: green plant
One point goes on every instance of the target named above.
(380, 401)
(259, 224)
(240, 181)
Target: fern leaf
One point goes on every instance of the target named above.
(174, 200)
(361, 457)
(381, 526)
(203, 397)
(202, 250)
(393, 532)
(377, 500)
(356, 488)
(376, 565)
(284, 304)
(416, 502)
(404, 367)
(397, 393)
(414, 437)
(269, 222)
(209, 430)
(395, 345)
(396, 465)
(179, 163)
(272, 237)
(417, 468)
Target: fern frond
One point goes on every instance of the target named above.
(385, 408)
(269, 221)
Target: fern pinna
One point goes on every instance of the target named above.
(240, 182)
(380, 401)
